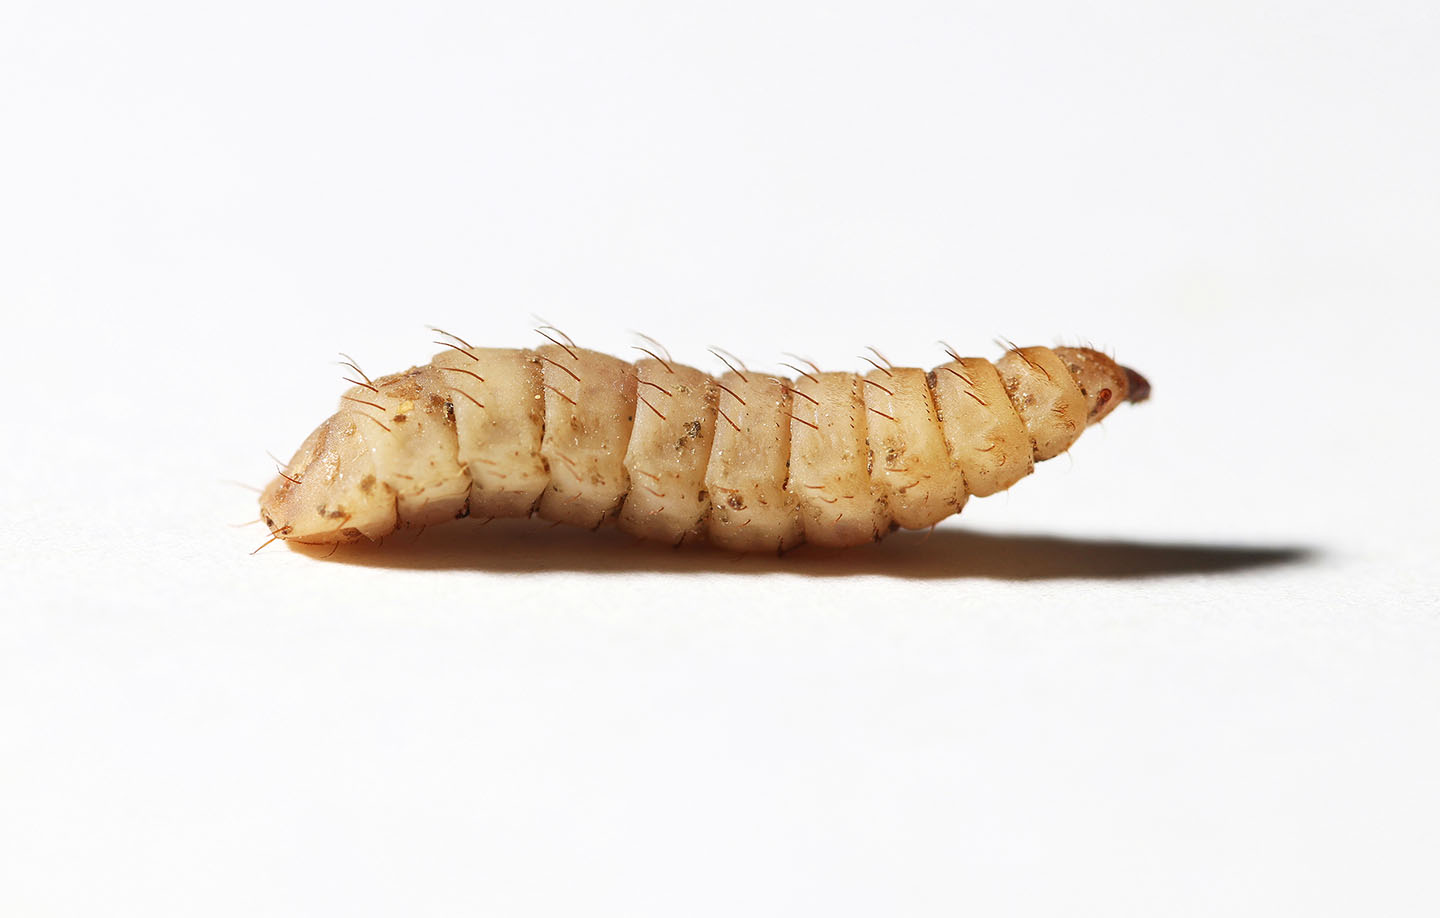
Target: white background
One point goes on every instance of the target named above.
(1191, 668)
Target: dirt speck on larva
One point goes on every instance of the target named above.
(405, 387)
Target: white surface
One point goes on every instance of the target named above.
(1191, 669)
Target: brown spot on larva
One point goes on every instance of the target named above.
(692, 429)
(367, 483)
(1101, 401)
(736, 501)
(399, 419)
(405, 386)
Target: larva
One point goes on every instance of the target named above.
(747, 460)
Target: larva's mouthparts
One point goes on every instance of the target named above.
(1139, 385)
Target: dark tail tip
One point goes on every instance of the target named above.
(1139, 386)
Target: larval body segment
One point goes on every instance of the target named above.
(589, 413)
(417, 457)
(670, 446)
(912, 467)
(750, 507)
(840, 505)
(499, 408)
(1047, 398)
(987, 439)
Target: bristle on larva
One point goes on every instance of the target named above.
(749, 461)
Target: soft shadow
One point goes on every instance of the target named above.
(522, 546)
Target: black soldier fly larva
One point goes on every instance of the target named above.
(748, 460)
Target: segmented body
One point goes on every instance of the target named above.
(747, 460)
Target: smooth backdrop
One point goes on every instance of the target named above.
(1190, 668)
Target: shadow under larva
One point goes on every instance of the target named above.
(517, 547)
(748, 461)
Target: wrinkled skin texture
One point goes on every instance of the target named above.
(748, 461)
